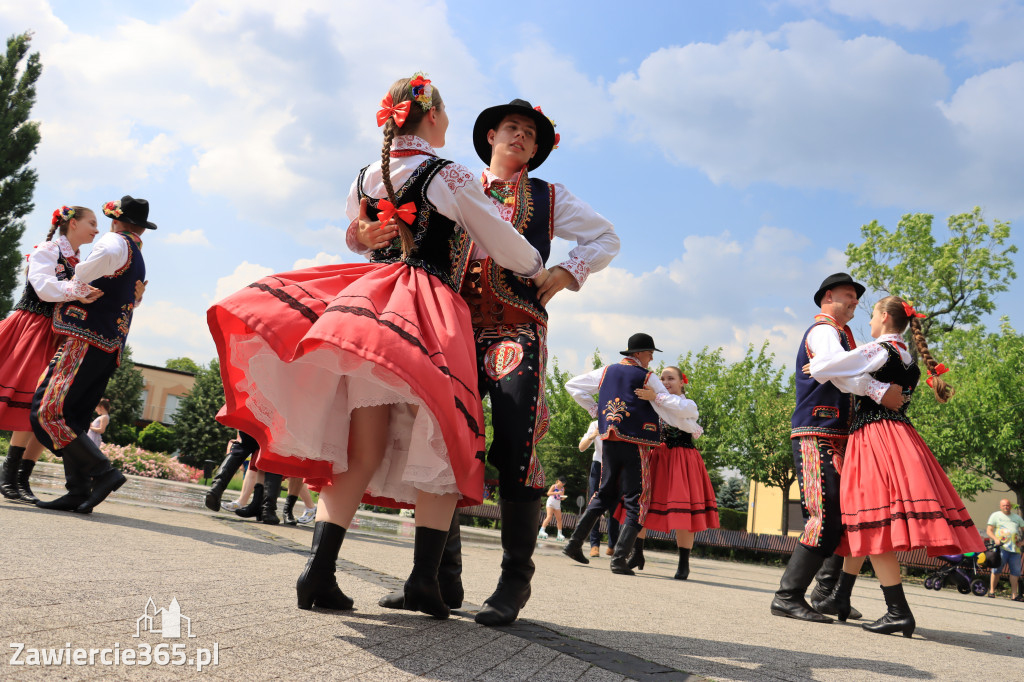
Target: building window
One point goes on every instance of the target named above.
(170, 408)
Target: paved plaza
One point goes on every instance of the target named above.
(73, 582)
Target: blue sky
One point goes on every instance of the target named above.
(737, 146)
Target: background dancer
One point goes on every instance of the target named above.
(593, 483)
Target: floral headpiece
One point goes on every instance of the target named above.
(422, 90)
(62, 214)
(909, 310)
(112, 209)
(553, 125)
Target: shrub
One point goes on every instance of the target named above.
(730, 519)
(157, 438)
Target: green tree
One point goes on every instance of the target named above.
(199, 435)
(183, 365)
(733, 494)
(157, 438)
(125, 394)
(19, 138)
(952, 282)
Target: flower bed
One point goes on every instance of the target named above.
(133, 460)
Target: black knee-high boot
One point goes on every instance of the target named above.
(636, 557)
(789, 599)
(271, 493)
(255, 506)
(519, 524)
(449, 573)
(584, 524)
(228, 468)
(317, 585)
(627, 540)
(77, 484)
(683, 570)
(24, 487)
(105, 479)
(9, 477)
(422, 592)
(289, 508)
(838, 603)
(898, 617)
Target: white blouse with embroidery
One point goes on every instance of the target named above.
(853, 368)
(457, 196)
(42, 272)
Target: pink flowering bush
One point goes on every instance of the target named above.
(135, 461)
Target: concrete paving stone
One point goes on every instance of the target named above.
(595, 674)
(523, 665)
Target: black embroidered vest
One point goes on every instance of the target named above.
(620, 411)
(105, 322)
(892, 372)
(821, 409)
(675, 438)
(30, 300)
(439, 245)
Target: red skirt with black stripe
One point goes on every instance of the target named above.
(27, 344)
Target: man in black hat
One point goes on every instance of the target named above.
(820, 428)
(78, 374)
(629, 427)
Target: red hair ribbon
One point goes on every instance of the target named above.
(909, 310)
(56, 216)
(685, 380)
(939, 369)
(388, 109)
(387, 211)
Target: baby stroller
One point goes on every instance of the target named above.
(962, 570)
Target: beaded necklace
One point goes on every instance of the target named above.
(505, 192)
(410, 152)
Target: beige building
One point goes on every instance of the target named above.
(163, 391)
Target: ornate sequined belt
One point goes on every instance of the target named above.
(485, 309)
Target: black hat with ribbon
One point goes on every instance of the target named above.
(489, 119)
(129, 210)
(638, 343)
(833, 281)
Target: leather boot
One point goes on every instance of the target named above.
(255, 506)
(24, 488)
(76, 482)
(574, 548)
(227, 470)
(271, 493)
(636, 557)
(789, 600)
(449, 573)
(317, 585)
(898, 617)
(422, 593)
(683, 570)
(826, 577)
(105, 478)
(520, 522)
(627, 539)
(9, 475)
(289, 507)
(838, 603)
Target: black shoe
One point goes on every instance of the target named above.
(24, 487)
(77, 484)
(422, 593)
(789, 600)
(9, 473)
(520, 522)
(898, 618)
(86, 455)
(317, 585)
(255, 506)
(838, 603)
(636, 557)
(289, 507)
(449, 573)
(584, 524)
(239, 451)
(683, 570)
(627, 540)
(271, 493)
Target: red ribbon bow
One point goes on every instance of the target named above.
(387, 211)
(388, 109)
(685, 380)
(909, 310)
(939, 369)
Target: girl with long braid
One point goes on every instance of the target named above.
(894, 495)
(28, 342)
(361, 377)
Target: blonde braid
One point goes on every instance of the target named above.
(943, 391)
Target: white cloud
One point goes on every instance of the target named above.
(322, 258)
(188, 238)
(245, 274)
(163, 329)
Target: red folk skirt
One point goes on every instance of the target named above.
(27, 344)
(681, 493)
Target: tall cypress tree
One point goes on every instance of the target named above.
(19, 138)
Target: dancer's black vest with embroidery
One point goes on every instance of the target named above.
(821, 409)
(892, 372)
(30, 300)
(621, 412)
(675, 438)
(440, 247)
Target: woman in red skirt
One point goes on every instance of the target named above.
(361, 378)
(894, 495)
(681, 496)
(27, 340)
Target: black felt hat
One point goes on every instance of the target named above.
(639, 342)
(129, 210)
(832, 281)
(490, 118)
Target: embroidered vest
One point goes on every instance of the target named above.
(499, 296)
(620, 412)
(675, 438)
(439, 245)
(892, 372)
(821, 409)
(30, 300)
(105, 322)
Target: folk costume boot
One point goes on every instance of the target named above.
(826, 577)
(24, 488)
(574, 548)
(683, 570)
(636, 557)
(289, 508)
(627, 539)
(898, 617)
(255, 506)
(105, 478)
(449, 573)
(422, 593)
(838, 603)
(519, 524)
(77, 484)
(271, 493)
(789, 601)
(317, 585)
(9, 476)
(228, 468)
